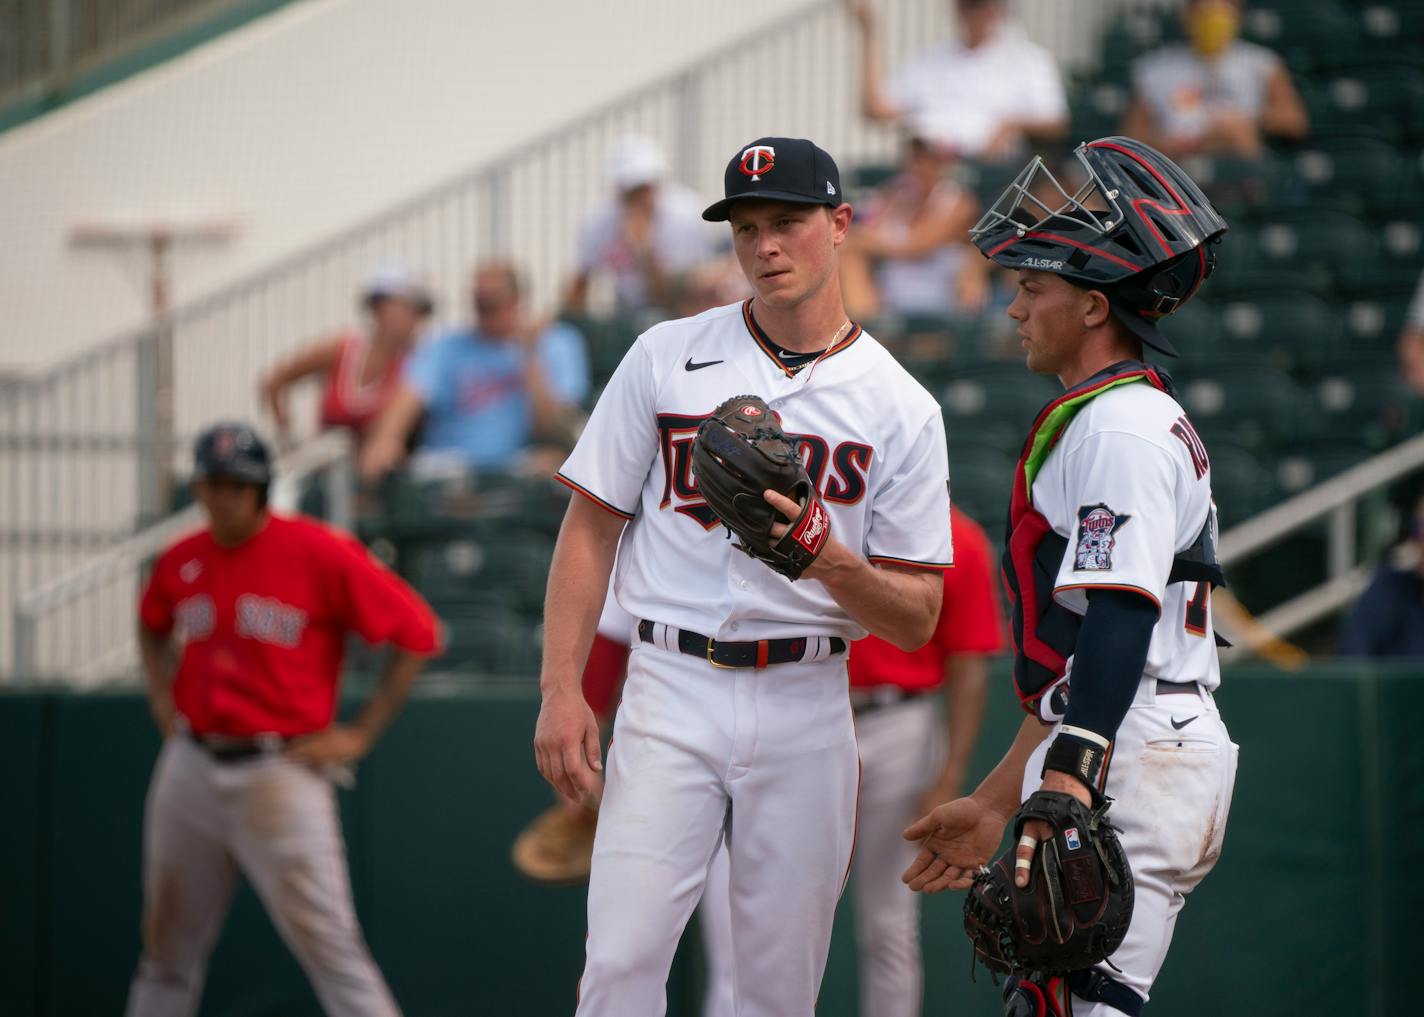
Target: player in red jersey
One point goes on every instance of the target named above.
(261, 605)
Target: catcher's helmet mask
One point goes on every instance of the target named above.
(1137, 228)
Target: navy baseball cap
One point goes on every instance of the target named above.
(779, 169)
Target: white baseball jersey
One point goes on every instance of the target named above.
(1129, 485)
(871, 437)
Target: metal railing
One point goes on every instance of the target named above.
(1338, 501)
(79, 625)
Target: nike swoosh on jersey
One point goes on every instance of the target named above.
(1184, 723)
(697, 367)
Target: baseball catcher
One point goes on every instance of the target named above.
(739, 453)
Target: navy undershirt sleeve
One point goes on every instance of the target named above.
(1108, 659)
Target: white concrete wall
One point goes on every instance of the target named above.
(300, 124)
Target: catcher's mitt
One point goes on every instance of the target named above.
(741, 451)
(1075, 910)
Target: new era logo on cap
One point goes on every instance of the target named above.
(778, 169)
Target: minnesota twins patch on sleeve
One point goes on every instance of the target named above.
(1097, 529)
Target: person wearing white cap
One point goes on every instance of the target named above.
(360, 367)
(644, 237)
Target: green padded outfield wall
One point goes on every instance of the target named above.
(1296, 919)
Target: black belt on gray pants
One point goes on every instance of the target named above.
(234, 750)
(1166, 688)
(757, 653)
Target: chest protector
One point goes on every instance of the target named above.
(1044, 631)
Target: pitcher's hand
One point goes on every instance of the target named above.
(566, 745)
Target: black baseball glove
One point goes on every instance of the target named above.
(741, 451)
(1075, 910)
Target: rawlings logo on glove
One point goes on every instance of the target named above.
(739, 453)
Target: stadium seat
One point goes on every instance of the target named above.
(489, 640)
(1372, 324)
(497, 568)
(1303, 32)
(1367, 405)
(1195, 329)
(1297, 329)
(1352, 175)
(981, 479)
(1395, 263)
(1244, 400)
(1097, 111)
(1301, 465)
(1237, 187)
(993, 405)
(1297, 249)
(1241, 484)
(1388, 34)
(1373, 103)
(608, 339)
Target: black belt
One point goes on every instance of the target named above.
(757, 653)
(1166, 688)
(234, 750)
(868, 700)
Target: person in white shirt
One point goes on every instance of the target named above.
(735, 725)
(644, 238)
(1214, 93)
(985, 93)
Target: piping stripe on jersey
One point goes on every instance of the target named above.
(1109, 586)
(764, 341)
(612, 509)
(931, 566)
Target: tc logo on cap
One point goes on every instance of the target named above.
(757, 160)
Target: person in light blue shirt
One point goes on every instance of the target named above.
(487, 391)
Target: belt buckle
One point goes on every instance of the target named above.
(711, 647)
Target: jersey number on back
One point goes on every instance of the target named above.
(1196, 609)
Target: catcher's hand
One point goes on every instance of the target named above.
(740, 453)
(1076, 904)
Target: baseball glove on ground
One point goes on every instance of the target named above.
(1075, 910)
(741, 451)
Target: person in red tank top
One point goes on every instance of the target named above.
(359, 371)
(242, 629)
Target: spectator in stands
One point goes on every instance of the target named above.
(360, 368)
(644, 238)
(487, 391)
(1411, 343)
(909, 253)
(1214, 93)
(1388, 619)
(984, 94)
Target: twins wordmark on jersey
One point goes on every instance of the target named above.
(845, 483)
(871, 437)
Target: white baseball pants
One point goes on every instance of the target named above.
(277, 822)
(766, 759)
(1171, 776)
